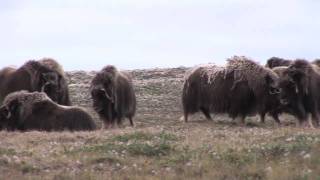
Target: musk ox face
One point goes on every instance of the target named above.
(272, 84)
(288, 92)
(103, 88)
(9, 113)
(50, 79)
(50, 84)
(298, 74)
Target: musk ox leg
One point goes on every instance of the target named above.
(206, 113)
(310, 124)
(107, 125)
(315, 119)
(262, 117)
(241, 120)
(131, 121)
(119, 123)
(306, 123)
(185, 116)
(275, 117)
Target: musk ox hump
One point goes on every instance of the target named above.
(211, 71)
(245, 69)
(52, 64)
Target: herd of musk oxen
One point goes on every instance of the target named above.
(35, 96)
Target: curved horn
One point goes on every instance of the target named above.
(7, 113)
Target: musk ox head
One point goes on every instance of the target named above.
(58, 88)
(288, 92)
(299, 73)
(18, 105)
(44, 79)
(272, 84)
(294, 81)
(103, 85)
(10, 114)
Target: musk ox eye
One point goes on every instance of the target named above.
(51, 78)
(273, 90)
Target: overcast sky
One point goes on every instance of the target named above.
(130, 34)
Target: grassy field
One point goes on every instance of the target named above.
(161, 146)
(197, 150)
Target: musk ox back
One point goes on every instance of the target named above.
(238, 89)
(113, 96)
(300, 87)
(32, 76)
(316, 62)
(275, 62)
(60, 91)
(23, 110)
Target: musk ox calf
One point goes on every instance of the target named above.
(58, 92)
(113, 96)
(23, 111)
(300, 87)
(33, 76)
(239, 89)
(275, 62)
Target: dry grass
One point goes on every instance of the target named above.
(161, 146)
(198, 150)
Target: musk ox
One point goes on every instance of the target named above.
(239, 89)
(58, 92)
(113, 96)
(32, 76)
(275, 62)
(300, 87)
(22, 110)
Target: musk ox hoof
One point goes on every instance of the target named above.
(305, 125)
(241, 121)
(108, 126)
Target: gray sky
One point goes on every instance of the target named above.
(131, 34)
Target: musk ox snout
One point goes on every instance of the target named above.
(273, 84)
(51, 78)
(273, 90)
(284, 101)
(102, 93)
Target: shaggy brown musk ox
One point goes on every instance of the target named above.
(23, 111)
(276, 61)
(58, 92)
(239, 89)
(113, 96)
(32, 76)
(300, 87)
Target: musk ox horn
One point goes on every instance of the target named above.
(7, 113)
(108, 96)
